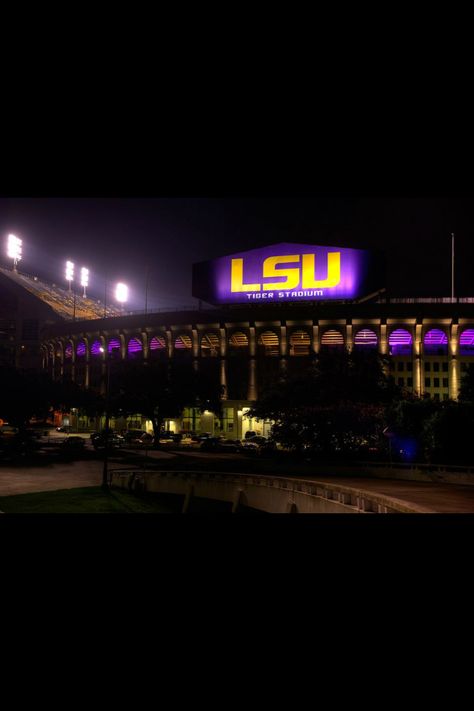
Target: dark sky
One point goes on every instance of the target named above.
(124, 237)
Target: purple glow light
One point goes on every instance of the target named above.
(134, 346)
(81, 349)
(435, 342)
(366, 338)
(466, 342)
(95, 348)
(68, 351)
(400, 342)
(157, 343)
(114, 345)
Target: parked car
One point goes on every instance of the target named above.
(145, 440)
(113, 440)
(73, 443)
(64, 428)
(131, 435)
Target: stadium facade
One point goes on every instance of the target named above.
(273, 310)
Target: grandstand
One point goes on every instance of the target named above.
(64, 303)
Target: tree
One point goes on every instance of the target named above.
(337, 405)
(161, 390)
(466, 392)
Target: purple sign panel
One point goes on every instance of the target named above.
(288, 272)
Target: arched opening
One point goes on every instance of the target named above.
(95, 348)
(81, 349)
(269, 344)
(210, 345)
(68, 351)
(157, 346)
(365, 339)
(300, 343)
(400, 342)
(466, 342)
(238, 341)
(435, 342)
(332, 339)
(183, 343)
(134, 348)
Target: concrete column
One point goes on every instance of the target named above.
(349, 336)
(223, 378)
(283, 350)
(223, 342)
(169, 338)
(316, 342)
(195, 343)
(123, 346)
(454, 364)
(418, 365)
(383, 340)
(252, 390)
(252, 342)
(145, 344)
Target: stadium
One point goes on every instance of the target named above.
(261, 313)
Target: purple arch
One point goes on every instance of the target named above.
(366, 338)
(81, 349)
(400, 342)
(157, 343)
(134, 346)
(68, 351)
(466, 342)
(435, 342)
(113, 345)
(95, 348)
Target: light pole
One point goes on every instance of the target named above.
(105, 479)
(121, 294)
(14, 250)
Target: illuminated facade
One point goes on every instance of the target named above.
(430, 344)
(245, 342)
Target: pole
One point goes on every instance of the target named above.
(74, 306)
(452, 266)
(146, 288)
(105, 298)
(105, 482)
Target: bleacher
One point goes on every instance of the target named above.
(63, 302)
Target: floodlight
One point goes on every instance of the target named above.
(69, 273)
(14, 249)
(84, 279)
(121, 293)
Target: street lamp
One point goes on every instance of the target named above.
(105, 481)
(14, 249)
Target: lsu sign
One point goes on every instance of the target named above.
(288, 272)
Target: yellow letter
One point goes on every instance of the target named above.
(292, 275)
(237, 278)
(334, 271)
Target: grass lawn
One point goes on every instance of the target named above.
(87, 500)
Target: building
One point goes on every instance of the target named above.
(327, 298)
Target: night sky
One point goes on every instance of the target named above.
(122, 238)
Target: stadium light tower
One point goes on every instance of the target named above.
(121, 293)
(14, 250)
(84, 279)
(69, 273)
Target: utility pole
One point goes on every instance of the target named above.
(452, 266)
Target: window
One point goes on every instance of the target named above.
(427, 383)
(410, 382)
(463, 367)
(427, 367)
(401, 382)
(436, 382)
(410, 366)
(400, 365)
(445, 397)
(436, 367)
(445, 382)
(436, 397)
(445, 367)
